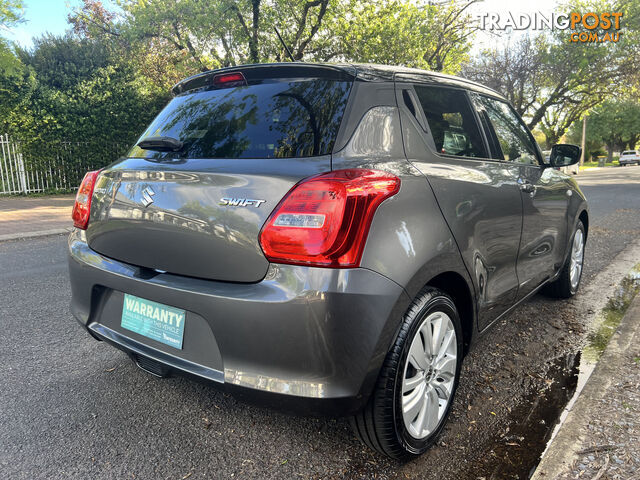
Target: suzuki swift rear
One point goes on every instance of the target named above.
(276, 232)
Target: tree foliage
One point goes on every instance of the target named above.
(553, 81)
(197, 35)
(11, 12)
(615, 123)
(74, 89)
(10, 15)
(515, 70)
(12, 79)
(435, 36)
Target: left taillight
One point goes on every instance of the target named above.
(324, 220)
(82, 207)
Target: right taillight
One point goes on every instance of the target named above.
(324, 220)
(82, 207)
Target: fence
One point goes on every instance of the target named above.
(27, 167)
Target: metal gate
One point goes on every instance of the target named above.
(61, 169)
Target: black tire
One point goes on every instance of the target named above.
(561, 287)
(380, 424)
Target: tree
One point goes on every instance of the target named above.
(197, 35)
(615, 123)
(553, 80)
(435, 35)
(514, 70)
(10, 15)
(14, 81)
(78, 91)
(593, 147)
(10, 12)
(204, 34)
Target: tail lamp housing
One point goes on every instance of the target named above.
(82, 206)
(324, 220)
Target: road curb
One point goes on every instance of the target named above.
(563, 450)
(41, 233)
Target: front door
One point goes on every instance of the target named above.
(544, 228)
(543, 193)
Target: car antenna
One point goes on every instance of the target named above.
(284, 45)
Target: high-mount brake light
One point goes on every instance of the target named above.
(324, 220)
(227, 80)
(82, 207)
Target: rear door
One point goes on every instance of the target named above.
(543, 190)
(198, 212)
(478, 196)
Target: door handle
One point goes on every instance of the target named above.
(526, 186)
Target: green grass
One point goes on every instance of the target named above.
(611, 315)
(596, 164)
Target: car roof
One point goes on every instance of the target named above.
(377, 72)
(361, 71)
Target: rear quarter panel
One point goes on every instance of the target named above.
(409, 241)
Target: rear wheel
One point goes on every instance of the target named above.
(417, 383)
(568, 282)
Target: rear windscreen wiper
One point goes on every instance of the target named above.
(161, 144)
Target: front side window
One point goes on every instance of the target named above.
(512, 135)
(451, 121)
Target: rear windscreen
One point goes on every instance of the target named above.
(278, 118)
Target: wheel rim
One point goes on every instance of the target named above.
(429, 375)
(577, 257)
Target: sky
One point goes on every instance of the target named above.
(41, 16)
(486, 40)
(51, 16)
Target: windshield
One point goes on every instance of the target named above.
(278, 118)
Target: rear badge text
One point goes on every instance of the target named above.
(241, 202)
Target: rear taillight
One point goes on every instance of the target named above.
(324, 220)
(82, 207)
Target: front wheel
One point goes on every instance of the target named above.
(566, 285)
(414, 392)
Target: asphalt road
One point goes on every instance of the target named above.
(71, 407)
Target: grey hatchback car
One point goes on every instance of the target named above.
(325, 238)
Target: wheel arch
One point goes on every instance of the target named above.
(584, 217)
(455, 285)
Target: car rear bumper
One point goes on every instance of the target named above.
(305, 339)
(628, 162)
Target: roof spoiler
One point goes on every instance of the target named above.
(339, 72)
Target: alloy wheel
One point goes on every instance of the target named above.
(429, 375)
(577, 257)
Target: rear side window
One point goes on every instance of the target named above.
(451, 121)
(277, 118)
(512, 135)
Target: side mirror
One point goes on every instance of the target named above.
(563, 155)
